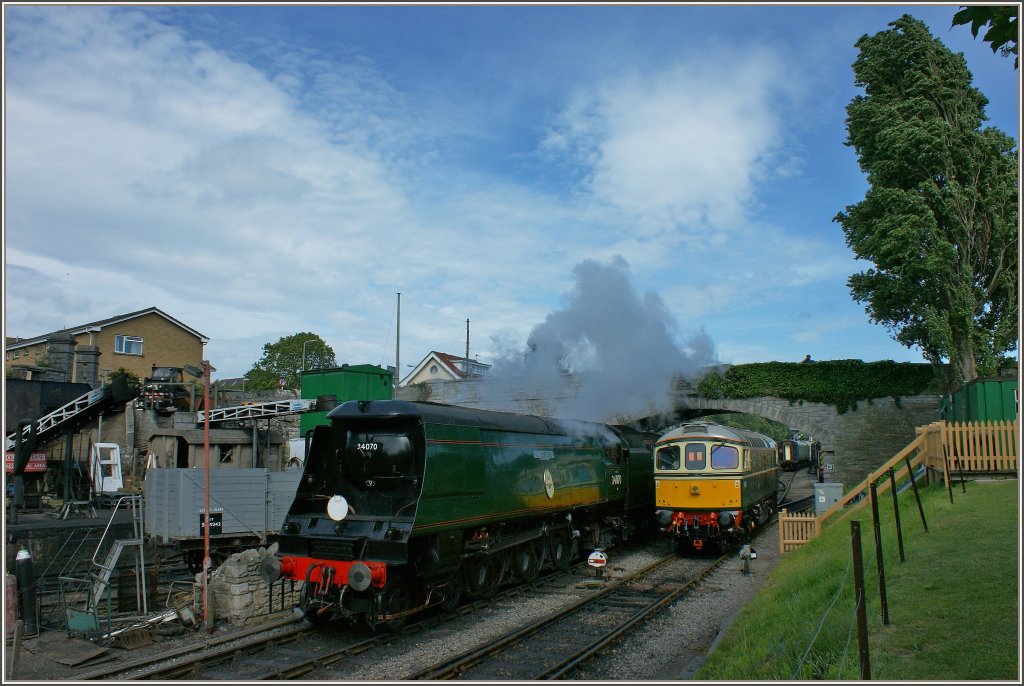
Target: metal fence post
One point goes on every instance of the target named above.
(896, 512)
(917, 496)
(949, 481)
(878, 555)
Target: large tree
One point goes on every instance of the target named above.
(286, 358)
(939, 221)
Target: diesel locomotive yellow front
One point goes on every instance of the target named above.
(714, 484)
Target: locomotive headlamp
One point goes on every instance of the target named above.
(359, 576)
(337, 508)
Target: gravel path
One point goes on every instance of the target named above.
(673, 645)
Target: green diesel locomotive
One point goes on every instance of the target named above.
(407, 505)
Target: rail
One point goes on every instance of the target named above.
(949, 450)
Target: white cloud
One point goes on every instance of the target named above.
(253, 187)
(682, 148)
(249, 204)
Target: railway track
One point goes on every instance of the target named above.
(798, 504)
(293, 647)
(556, 645)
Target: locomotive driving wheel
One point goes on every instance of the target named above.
(452, 592)
(563, 547)
(482, 576)
(526, 561)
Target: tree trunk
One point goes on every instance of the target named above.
(968, 366)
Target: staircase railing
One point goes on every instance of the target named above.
(84, 617)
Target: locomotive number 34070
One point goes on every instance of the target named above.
(369, 446)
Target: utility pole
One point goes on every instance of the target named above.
(467, 346)
(398, 342)
(207, 563)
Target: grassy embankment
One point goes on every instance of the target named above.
(953, 604)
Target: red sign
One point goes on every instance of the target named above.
(36, 463)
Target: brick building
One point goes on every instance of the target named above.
(89, 353)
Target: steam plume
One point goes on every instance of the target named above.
(608, 355)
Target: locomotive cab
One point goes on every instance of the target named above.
(378, 469)
(348, 529)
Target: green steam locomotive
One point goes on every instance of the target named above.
(404, 506)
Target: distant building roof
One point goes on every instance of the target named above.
(84, 328)
(459, 368)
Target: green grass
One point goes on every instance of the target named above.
(953, 604)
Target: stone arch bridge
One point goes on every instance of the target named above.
(853, 443)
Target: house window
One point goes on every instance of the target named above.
(128, 345)
(433, 369)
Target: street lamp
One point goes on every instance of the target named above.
(304, 352)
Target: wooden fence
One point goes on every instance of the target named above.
(985, 448)
(971, 449)
(796, 529)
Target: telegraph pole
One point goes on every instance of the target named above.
(207, 563)
(398, 342)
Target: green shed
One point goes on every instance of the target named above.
(347, 382)
(982, 400)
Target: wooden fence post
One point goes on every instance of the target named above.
(862, 614)
(782, 531)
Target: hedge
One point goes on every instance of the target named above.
(840, 383)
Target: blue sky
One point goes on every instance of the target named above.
(256, 171)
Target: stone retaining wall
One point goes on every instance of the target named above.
(241, 597)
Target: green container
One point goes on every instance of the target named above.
(347, 382)
(982, 400)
